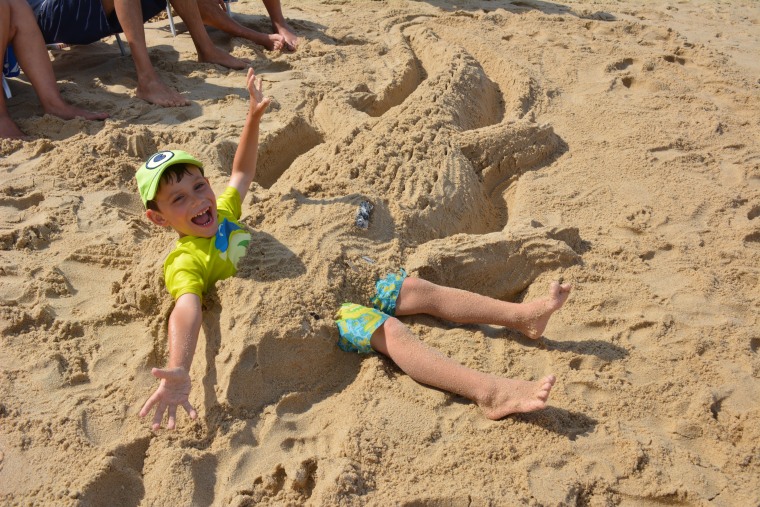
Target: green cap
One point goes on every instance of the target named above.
(149, 174)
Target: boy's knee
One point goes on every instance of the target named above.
(392, 325)
(412, 286)
(389, 327)
(395, 330)
(415, 294)
(389, 331)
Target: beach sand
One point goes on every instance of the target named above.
(609, 144)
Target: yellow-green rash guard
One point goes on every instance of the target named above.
(196, 264)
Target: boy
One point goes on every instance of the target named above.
(178, 196)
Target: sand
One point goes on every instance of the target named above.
(609, 144)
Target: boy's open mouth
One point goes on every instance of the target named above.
(203, 218)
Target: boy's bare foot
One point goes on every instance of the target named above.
(289, 38)
(537, 313)
(9, 130)
(221, 57)
(509, 396)
(69, 112)
(156, 92)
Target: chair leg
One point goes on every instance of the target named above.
(171, 19)
(121, 45)
(6, 88)
(229, 9)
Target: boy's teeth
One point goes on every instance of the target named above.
(204, 215)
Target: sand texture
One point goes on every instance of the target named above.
(504, 144)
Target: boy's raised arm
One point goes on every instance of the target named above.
(244, 165)
(174, 389)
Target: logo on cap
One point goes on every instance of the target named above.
(158, 159)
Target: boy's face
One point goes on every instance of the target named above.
(188, 206)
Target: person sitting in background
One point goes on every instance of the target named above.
(87, 21)
(214, 13)
(19, 29)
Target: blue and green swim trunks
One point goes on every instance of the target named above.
(356, 323)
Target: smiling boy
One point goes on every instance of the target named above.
(176, 194)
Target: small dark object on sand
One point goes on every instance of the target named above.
(362, 216)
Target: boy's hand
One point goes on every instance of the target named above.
(259, 102)
(173, 390)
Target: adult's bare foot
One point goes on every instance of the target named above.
(536, 313)
(290, 39)
(69, 112)
(9, 130)
(221, 57)
(509, 396)
(274, 42)
(270, 41)
(156, 92)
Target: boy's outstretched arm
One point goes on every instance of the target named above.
(174, 389)
(244, 165)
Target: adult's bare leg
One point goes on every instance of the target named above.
(18, 26)
(420, 296)
(279, 25)
(214, 13)
(8, 30)
(149, 85)
(496, 396)
(207, 51)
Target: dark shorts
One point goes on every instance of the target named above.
(82, 21)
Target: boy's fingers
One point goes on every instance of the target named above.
(172, 417)
(159, 415)
(160, 373)
(148, 405)
(168, 373)
(189, 409)
(145, 408)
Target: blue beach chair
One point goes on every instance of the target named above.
(10, 69)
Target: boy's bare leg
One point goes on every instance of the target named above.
(19, 27)
(149, 86)
(279, 25)
(207, 51)
(420, 296)
(214, 13)
(496, 396)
